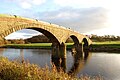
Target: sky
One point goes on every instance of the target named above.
(100, 17)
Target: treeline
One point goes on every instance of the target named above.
(44, 39)
(37, 39)
(96, 38)
(15, 41)
(34, 39)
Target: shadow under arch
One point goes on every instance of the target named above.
(75, 39)
(85, 47)
(85, 42)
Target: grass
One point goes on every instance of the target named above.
(34, 45)
(13, 70)
(109, 44)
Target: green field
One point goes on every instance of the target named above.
(107, 42)
(34, 45)
(110, 44)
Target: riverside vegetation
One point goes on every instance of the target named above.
(105, 43)
(108, 46)
(14, 70)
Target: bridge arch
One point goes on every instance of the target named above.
(85, 47)
(47, 33)
(85, 42)
(75, 39)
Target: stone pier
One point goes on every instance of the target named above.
(77, 48)
(59, 56)
(58, 50)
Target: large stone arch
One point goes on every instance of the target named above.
(48, 34)
(53, 38)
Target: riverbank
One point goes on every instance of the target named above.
(34, 46)
(109, 46)
(14, 70)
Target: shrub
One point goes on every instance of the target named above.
(13, 70)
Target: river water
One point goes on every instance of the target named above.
(96, 63)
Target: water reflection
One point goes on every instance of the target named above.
(1, 51)
(21, 55)
(101, 63)
(38, 56)
(59, 63)
(79, 62)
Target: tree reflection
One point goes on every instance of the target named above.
(22, 55)
(1, 51)
(80, 59)
(60, 63)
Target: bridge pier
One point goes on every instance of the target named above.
(85, 47)
(59, 56)
(77, 48)
(59, 50)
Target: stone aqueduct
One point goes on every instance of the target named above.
(56, 34)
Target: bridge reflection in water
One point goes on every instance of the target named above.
(80, 59)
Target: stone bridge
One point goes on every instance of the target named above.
(56, 34)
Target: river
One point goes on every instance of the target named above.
(97, 63)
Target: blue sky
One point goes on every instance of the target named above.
(99, 17)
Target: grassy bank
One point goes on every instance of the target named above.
(109, 46)
(34, 45)
(13, 70)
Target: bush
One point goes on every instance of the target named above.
(13, 70)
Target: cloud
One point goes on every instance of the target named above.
(38, 2)
(27, 4)
(82, 20)
(23, 34)
(85, 3)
